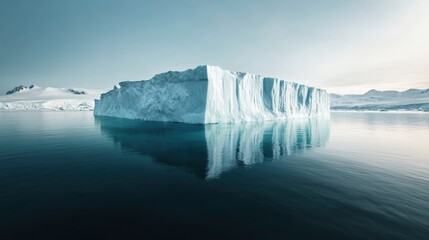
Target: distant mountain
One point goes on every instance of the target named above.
(19, 89)
(47, 98)
(409, 100)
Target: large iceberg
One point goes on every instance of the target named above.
(209, 94)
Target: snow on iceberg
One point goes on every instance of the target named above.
(209, 94)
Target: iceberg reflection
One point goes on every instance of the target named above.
(250, 143)
(209, 150)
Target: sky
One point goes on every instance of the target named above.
(342, 46)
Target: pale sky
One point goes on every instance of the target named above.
(342, 46)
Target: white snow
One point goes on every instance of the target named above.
(209, 94)
(412, 99)
(48, 98)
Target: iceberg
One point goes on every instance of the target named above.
(210, 94)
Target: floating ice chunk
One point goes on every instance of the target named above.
(209, 94)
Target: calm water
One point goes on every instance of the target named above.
(355, 176)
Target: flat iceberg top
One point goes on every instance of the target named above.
(209, 94)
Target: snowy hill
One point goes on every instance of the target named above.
(410, 100)
(210, 94)
(34, 98)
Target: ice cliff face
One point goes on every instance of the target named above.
(209, 94)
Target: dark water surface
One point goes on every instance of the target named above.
(355, 176)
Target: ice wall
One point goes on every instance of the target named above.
(209, 94)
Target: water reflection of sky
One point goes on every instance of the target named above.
(210, 150)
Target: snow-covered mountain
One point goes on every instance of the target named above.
(209, 94)
(410, 100)
(47, 98)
